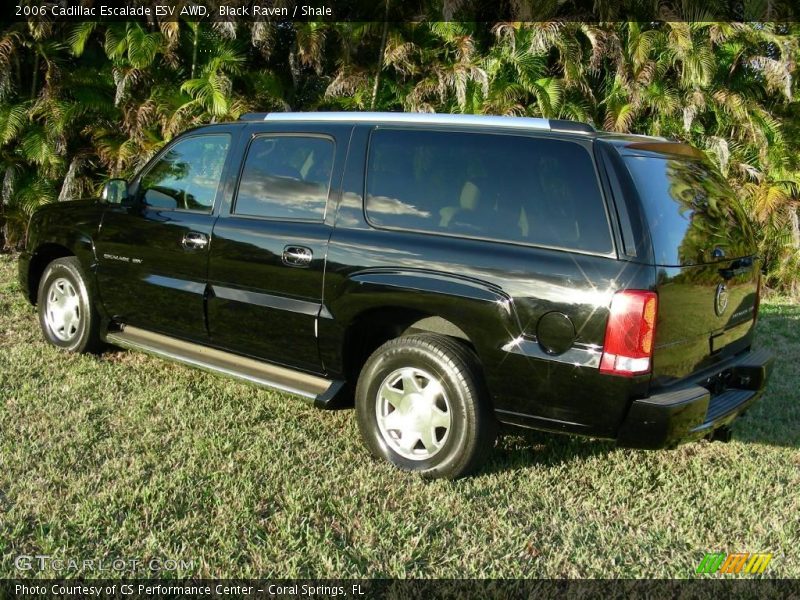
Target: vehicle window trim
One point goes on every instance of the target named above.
(623, 224)
(612, 253)
(137, 180)
(232, 207)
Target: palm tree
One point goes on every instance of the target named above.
(80, 103)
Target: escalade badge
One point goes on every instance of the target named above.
(721, 300)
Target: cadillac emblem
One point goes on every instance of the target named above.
(721, 299)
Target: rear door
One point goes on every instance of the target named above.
(707, 273)
(268, 247)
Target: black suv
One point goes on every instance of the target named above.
(447, 272)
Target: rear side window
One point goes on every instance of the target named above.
(497, 187)
(286, 177)
(690, 210)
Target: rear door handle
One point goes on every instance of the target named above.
(297, 256)
(194, 240)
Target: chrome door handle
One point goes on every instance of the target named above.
(195, 241)
(297, 256)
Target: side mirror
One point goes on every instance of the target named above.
(115, 191)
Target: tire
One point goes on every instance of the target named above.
(443, 431)
(67, 314)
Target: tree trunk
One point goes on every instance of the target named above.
(35, 76)
(196, 30)
(380, 56)
(17, 69)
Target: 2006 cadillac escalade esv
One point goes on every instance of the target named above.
(449, 272)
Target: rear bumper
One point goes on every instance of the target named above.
(691, 411)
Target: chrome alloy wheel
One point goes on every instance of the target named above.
(63, 310)
(413, 413)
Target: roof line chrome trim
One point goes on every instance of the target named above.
(421, 118)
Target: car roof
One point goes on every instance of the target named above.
(621, 141)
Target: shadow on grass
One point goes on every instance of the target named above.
(775, 419)
(523, 448)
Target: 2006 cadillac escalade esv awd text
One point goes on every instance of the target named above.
(447, 272)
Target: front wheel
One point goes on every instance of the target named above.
(421, 404)
(67, 314)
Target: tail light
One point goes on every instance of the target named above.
(631, 328)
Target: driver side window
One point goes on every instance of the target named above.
(187, 176)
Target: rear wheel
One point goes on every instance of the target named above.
(67, 314)
(421, 404)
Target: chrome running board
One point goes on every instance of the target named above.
(322, 392)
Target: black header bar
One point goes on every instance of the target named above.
(401, 10)
(371, 589)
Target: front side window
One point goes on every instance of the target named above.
(497, 187)
(186, 176)
(286, 177)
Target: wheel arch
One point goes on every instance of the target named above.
(373, 308)
(42, 256)
(373, 327)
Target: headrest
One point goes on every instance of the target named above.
(470, 194)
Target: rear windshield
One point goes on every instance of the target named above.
(690, 209)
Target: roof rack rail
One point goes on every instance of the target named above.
(500, 122)
(422, 118)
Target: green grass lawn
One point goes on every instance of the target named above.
(124, 456)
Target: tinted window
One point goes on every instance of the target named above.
(286, 177)
(187, 176)
(538, 191)
(690, 210)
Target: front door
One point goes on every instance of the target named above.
(268, 249)
(153, 249)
